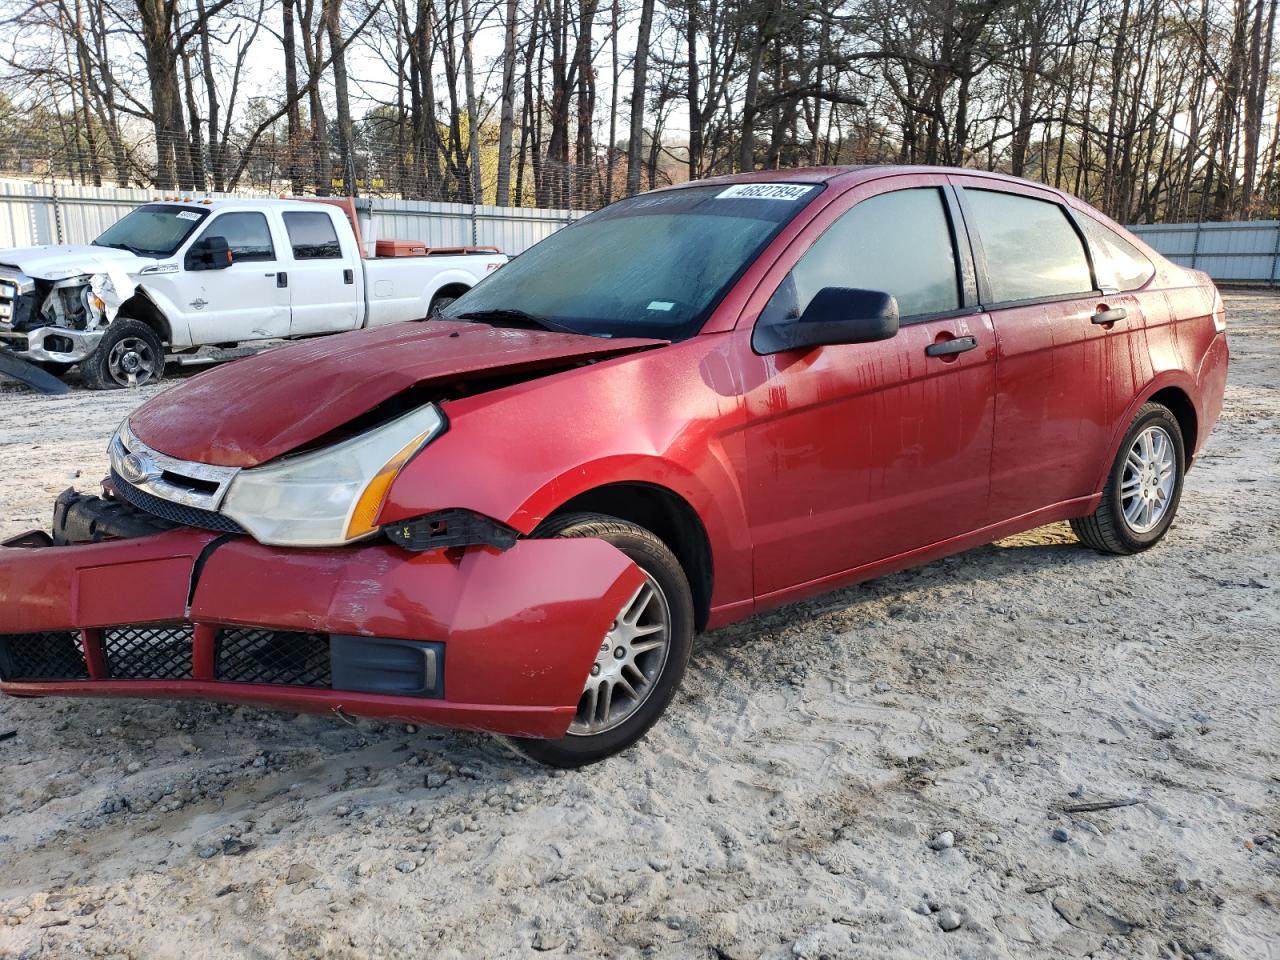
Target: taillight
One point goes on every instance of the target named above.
(1219, 312)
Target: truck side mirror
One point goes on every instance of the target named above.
(210, 253)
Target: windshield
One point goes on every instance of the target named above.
(654, 265)
(156, 230)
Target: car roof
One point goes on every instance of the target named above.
(852, 174)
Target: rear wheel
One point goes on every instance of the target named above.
(642, 657)
(1143, 489)
(438, 305)
(128, 355)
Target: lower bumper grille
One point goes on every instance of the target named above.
(249, 655)
(148, 652)
(50, 655)
(174, 512)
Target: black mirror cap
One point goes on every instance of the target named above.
(835, 315)
(210, 253)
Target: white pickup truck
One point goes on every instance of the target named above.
(178, 274)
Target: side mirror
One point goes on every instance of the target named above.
(209, 253)
(834, 315)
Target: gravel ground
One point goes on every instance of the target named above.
(879, 773)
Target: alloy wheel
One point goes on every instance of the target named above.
(132, 361)
(1146, 485)
(630, 660)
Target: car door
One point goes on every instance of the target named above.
(243, 301)
(324, 296)
(861, 452)
(1053, 396)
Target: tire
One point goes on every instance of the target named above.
(1110, 528)
(128, 346)
(672, 599)
(438, 305)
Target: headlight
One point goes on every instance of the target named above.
(331, 496)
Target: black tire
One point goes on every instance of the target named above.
(100, 371)
(653, 557)
(1107, 529)
(438, 305)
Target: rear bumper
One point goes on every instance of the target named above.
(519, 630)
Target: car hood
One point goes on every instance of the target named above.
(66, 261)
(253, 410)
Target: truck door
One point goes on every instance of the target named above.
(242, 301)
(326, 288)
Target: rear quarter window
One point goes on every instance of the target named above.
(1119, 264)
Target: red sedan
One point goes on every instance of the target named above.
(690, 406)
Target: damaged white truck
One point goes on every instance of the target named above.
(176, 275)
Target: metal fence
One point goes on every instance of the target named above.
(1243, 252)
(45, 213)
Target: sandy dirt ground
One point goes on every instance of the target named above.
(844, 778)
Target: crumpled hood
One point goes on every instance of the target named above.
(64, 262)
(256, 409)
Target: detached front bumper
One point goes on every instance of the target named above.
(52, 344)
(507, 637)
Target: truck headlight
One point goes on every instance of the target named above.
(331, 496)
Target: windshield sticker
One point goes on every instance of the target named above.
(188, 215)
(663, 305)
(765, 191)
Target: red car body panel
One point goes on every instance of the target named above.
(283, 399)
(800, 472)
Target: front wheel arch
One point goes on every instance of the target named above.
(669, 517)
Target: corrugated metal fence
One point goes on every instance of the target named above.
(44, 213)
(1244, 252)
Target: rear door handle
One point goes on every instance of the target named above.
(282, 279)
(945, 347)
(1110, 316)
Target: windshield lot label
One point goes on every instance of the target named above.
(764, 191)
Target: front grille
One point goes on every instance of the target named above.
(175, 512)
(49, 655)
(148, 652)
(250, 655)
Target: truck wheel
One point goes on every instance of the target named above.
(642, 658)
(1143, 488)
(128, 355)
(438, 305)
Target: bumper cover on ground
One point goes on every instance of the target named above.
(520, 629)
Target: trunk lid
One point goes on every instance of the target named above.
(259, 408)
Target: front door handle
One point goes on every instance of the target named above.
(946, 347)
(1110, 316)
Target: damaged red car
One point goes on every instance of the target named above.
(690, 406)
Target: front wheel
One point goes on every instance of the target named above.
(641, 658)
(1143, 489)
(128, 355)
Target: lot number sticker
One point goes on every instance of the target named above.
(765, 191)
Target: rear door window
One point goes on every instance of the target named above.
(312, 236)
(1033, 252)
(1119, 264)
(897, 242)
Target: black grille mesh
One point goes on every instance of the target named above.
(148, 652)
(50, 655)
(175, 512)
(249, 655)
